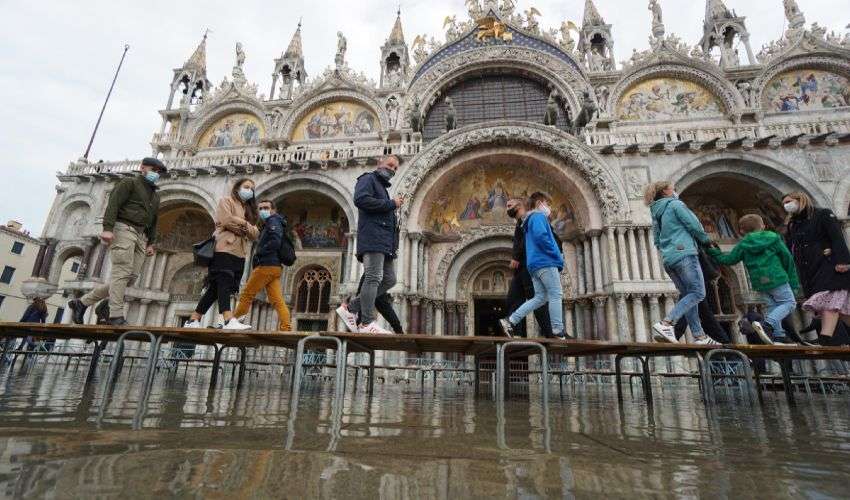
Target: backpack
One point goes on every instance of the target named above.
(286, 252)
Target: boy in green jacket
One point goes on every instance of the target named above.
(772, 272)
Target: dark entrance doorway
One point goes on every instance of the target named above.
(488, 312)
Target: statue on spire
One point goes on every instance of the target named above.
(657, 19)
(238, 73)
(796, 19)
(341, 47)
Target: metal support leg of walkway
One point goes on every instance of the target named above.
(708, 376)
(115, 369)
(502, 379)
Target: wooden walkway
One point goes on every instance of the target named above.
(347, 343)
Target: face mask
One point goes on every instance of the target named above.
(545, 209)
(386, 173)
(265, 214)
(792, 207)
(246, 194)
(512, 213)
(675, 195)
(152, 176)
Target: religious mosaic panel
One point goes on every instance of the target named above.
(337, 120)
(315, 221)
(803, 90)
(719, 204)
(479, 197)
(235, 130)
(178, 230)
(667, 99)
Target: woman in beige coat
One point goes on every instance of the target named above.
(235, 229)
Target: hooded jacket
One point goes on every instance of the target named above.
(768, 261)
(541, 247)
(676, 230)
(377, 225)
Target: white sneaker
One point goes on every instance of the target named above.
(349, 320)
(234, 324)
(193, 324)
(373, 328)
(664, 334)
(763, 336)
(706, 340)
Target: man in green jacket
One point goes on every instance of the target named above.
(772, 272)
(129, 230)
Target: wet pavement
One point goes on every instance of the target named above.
(57, 441)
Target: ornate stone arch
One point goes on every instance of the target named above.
(66, 208)
(64, 251)
(693, 71)
(209, 115)
(781, 177)
(179, 192)
(311, 181)
(567, 79)
(603, 182)
(823, 61)
(458, 258)
(308, 102)
(842, 197)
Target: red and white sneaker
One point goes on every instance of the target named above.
(348, 318)
(373, 328)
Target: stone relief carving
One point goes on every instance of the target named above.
(636, 179)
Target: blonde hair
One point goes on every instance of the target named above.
(807, 206)
(652, 192)
(751, 223)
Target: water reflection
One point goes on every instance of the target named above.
(406, 442)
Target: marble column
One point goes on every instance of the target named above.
(438, 320)
(613, 261)
(414, 263)
(640, 318)
(88, 257)
(625, 273)
(97, 272)
(415, 326)
(623, 319)
(163, 312)
(588, 267)
(571, 262)
(581, 332)
(654, 308)
(611, 332)
(654, 257)
(350, 266)
(159, 274)
(148, 271)
(633, 253)
(401, 260)
(47, 262)
(39, 261)
(644, 250)
(599, 318)
(597, 261)
(143, 312)
(462, 319)
(569, 318)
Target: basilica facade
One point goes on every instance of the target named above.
(498, 107)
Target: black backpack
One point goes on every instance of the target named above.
(286, 252)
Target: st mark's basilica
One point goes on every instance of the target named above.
(497, 106)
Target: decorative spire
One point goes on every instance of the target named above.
(716, 9)
(198, 61)
(397, 35)
(591, 15)
(294, 50)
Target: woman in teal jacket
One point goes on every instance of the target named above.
(677, 234)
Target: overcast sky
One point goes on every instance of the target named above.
(58, 58)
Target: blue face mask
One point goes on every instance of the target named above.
(246, 194)
(152, 177)
(265, 214)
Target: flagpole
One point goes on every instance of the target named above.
(108, 94)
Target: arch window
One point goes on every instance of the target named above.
(313, 291)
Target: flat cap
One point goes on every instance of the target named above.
(153, 162)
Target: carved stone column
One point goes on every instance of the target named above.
(401, 260)
(569, 318)
(599, 317)
(613, 259)
(47, 262)
(143, 312)
(654, 257)
(588, 267)
(39, 261)
(654, 308)
(351, 255)
(451, 319)
(148, 272)
(97, 272)
(462, 318)
(86, 260)
(581, 284)
(636, 274)
(159, 274)
(623, 319)
(611, 328)
(623, 251)
(439, 324)
(163, 312)
(597, 261)
(640, 318)
(415, 326)
(644, 250)
(414, 262)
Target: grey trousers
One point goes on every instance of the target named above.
(378, 278)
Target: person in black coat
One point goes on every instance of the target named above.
(823, 262)
(377, 244)
(521, 288)
(35, 313)
(707, 310)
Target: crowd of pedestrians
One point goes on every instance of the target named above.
(807, 264)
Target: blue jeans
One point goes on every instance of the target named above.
(547, 289)
(687, 276)
(780, 303)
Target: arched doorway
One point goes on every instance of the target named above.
(488, 290)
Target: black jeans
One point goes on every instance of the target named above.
(520, 290)
(710, 325)
(222, 282)
(384, 306)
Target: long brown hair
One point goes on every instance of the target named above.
(39, 305)
(807, 206)
(251, 214)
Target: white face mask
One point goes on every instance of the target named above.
(792, 207)
(545, 209)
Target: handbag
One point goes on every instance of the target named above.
(204, 252)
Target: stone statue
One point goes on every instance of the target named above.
(796, 19)
(596, 61)
(451, 115)
(238, 73)
(585, 116)
(419, 52)
(567, 43)
(531, 23)
(506, 8)
(602, 98)
(392, 110)
(474, 8)
(551, 116)
(657, 15)
(451, 27)
(341, 47)
(416, 115)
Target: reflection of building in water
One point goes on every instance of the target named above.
(733, 137)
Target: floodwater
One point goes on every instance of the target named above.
(57, 440)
